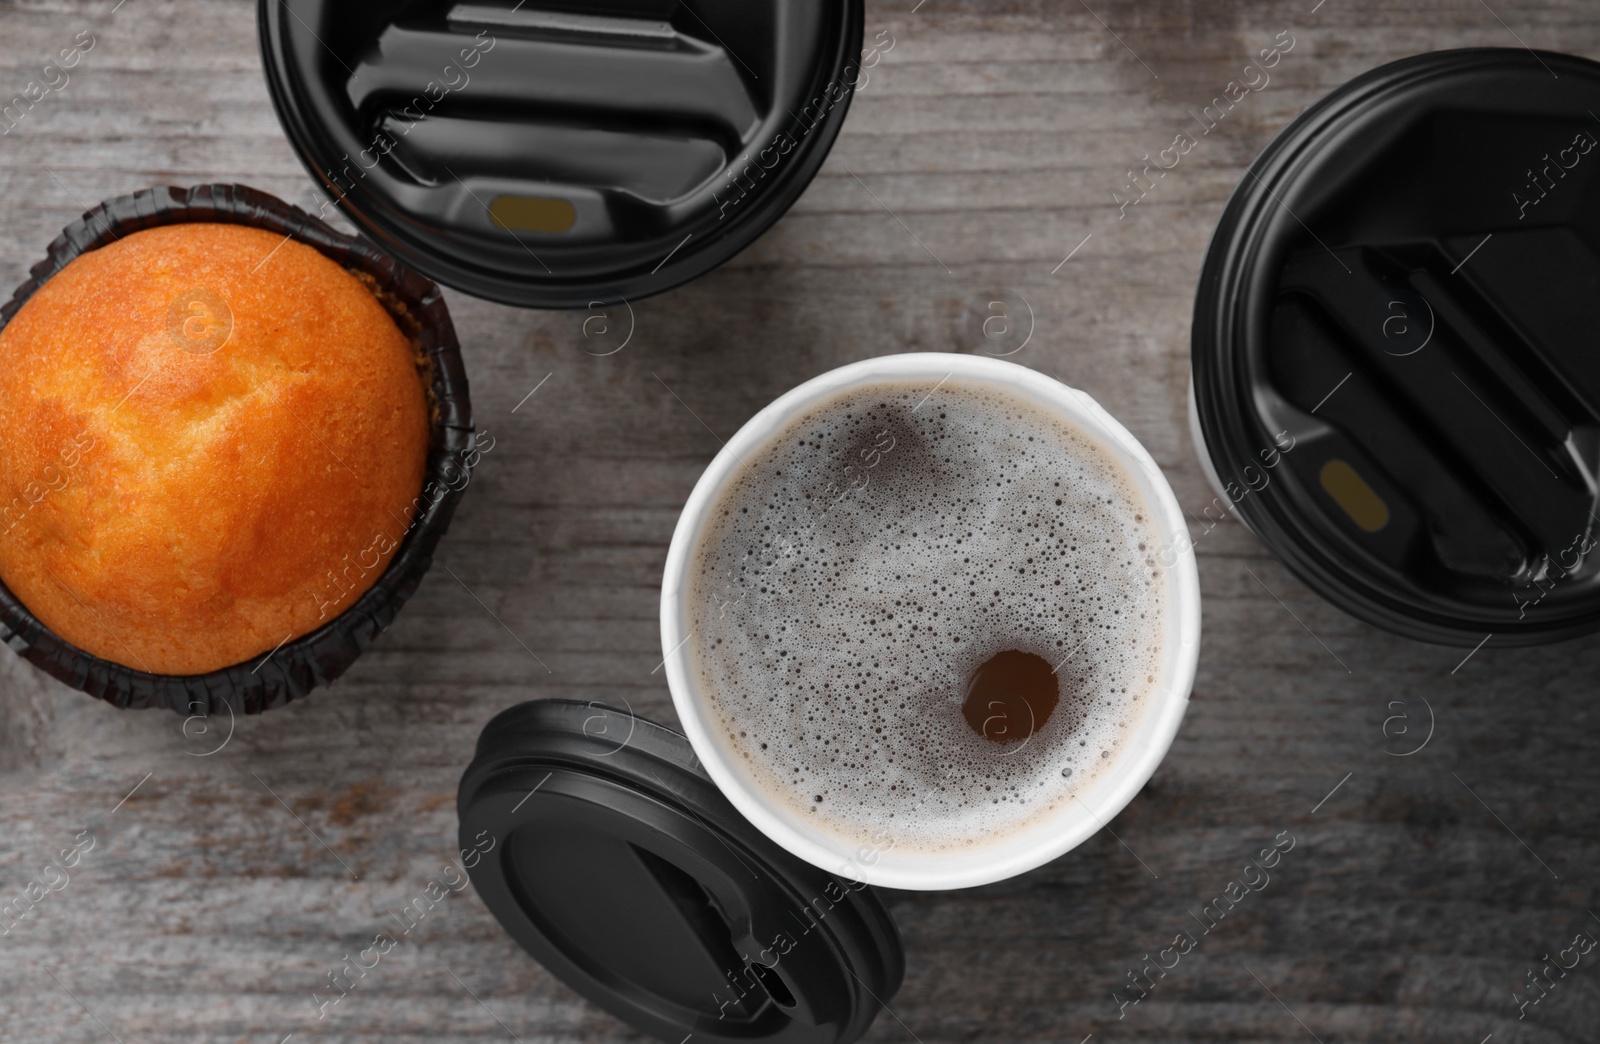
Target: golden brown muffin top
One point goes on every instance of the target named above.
(212, 439)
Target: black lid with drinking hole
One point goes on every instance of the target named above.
(1396, 347)
(612, 858)
(555, 153)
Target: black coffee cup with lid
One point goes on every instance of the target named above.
(558, 153)
(1396, 382)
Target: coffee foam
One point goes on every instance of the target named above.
(865, 559)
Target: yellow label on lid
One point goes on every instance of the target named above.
(1351, 492)
(533, 213)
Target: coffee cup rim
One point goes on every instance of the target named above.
(1051, 834)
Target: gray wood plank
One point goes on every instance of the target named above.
(997, 131)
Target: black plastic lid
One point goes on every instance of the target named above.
(554, 153)
(1396, 351)
(610, 856)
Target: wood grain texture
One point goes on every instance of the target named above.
(986, 146)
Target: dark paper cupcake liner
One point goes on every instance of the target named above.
(319, 657)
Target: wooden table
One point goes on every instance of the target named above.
(986, 146)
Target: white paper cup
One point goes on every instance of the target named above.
(1053, 832)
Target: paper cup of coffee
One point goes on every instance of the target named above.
(931, 620)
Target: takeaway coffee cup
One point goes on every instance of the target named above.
(879, 859)
(560, 154)
(1394, 379)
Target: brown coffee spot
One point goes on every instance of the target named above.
(1010, 696)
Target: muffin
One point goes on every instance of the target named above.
(213, 441)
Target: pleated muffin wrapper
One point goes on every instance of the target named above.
(319, 657)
